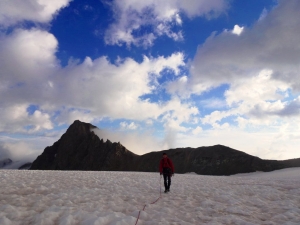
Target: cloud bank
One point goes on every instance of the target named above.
(159, 18)
(41, 11)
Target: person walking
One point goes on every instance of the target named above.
(166, 168)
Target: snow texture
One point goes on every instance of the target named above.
(115, 198)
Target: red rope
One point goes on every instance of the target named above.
(137, 219)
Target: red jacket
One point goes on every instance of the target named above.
(166, 162)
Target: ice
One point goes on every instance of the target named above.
(115, 198)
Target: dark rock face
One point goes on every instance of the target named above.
(5, 162)
(213, 160)
(80, 149)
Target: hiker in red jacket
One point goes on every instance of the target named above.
(166, 168)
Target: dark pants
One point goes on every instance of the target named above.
(167, 177)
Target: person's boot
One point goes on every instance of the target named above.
(166, 187)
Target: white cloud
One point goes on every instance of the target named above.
(16, 119)
(149, 122)
(263, 14)
(291, 109)
(262, 98)
(263, 143)
(197, 130)
(114, 90)
(260, 67)
(178, 19)
(132, 140)
(237, 30)
(257, 100)
(177, 113)
(217, 116)
(213, 103)
(17, 151)
(271, 43)
(27, 54)
(128, 126)
(42, 11)
(27, 61)
(261, 87)
(161, 16)
(69, 115)
(174, 112)
(24, 149)
(106, 89)
(178, 87)
(267, 119)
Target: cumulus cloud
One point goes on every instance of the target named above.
(115, 90)
(271, 43)
(107, 89)
(175, 113)
(42, 11)
(27, 59)
(27, 54)
(24, 149)
(128, 126)
(291, 109)
(16, 118)
(274, 143)
(259, 65)
(69, 115)
(179, 87)
(237, 30)
(132, 140)
(17, 151)
(213, 103)
(259, 100)
(197, 130)
(160, 16)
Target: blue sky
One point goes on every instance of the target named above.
(151, 74)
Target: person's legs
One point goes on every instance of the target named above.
(165, 181)
(169, 182)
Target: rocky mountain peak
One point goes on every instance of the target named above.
(80, 127)
(81, 149)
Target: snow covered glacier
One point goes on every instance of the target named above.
(115, 198)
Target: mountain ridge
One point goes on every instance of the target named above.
(79, 148)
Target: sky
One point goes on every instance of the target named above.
(151, 74)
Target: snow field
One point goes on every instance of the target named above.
(115, 198)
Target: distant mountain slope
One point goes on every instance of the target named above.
(25, 166)
(80, 149)
(5, 162)
(212, 160)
